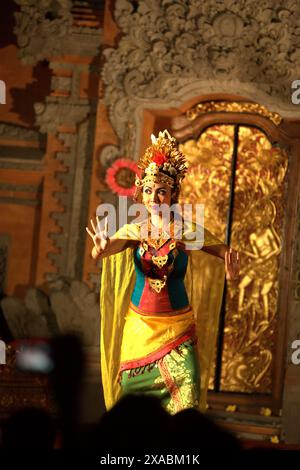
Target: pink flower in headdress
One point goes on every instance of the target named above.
(159, 158)
(120, 177)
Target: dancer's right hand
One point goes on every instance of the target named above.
(100, 237)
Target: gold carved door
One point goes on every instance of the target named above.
(244, 205)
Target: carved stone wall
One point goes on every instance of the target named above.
(69, 307)
(57, 154)
(70, 40)
(170, 52)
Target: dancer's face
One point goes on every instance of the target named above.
(155, 194)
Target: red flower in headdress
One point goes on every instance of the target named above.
(159, 158)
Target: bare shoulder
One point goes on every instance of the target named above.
(132, 243)
(181, 246)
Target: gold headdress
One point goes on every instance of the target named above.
(162, 162)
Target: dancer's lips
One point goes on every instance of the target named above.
(153, 206)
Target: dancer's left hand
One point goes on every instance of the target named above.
(232, 264)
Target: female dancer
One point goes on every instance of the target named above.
(155, 338)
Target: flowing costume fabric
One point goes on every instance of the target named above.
(165, 353)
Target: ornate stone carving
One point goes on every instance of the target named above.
(48, 29)
(51, 115)
(15, 132)
(168, 46)
(70, 306)
(45, 28)
(61, 83)
(40, 28)
(109, 154)
(76, 309)
(72, 198)
(29, 318)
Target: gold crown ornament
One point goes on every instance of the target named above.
(162, 162)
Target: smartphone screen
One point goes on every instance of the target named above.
(35, 358)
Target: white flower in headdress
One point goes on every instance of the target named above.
(152, 169)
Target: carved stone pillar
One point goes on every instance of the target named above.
(68, 36)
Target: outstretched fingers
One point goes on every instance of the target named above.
(89, 232)
(93, 225)
(102, 233)
(106, 227)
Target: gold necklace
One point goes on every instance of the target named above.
(160, 239)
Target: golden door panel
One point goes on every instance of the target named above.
(251, 303)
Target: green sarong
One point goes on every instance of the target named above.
(174, 379)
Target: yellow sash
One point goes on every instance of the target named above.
(145, 334)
